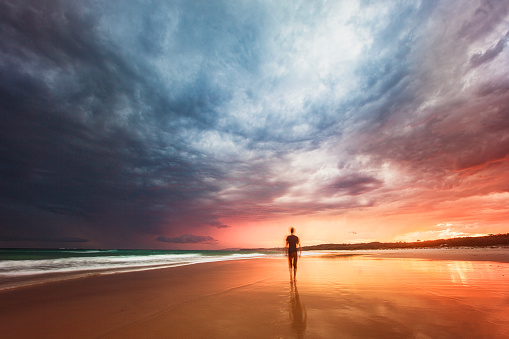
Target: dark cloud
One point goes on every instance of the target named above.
(354, 184)
(218, 224)
(122, 121)
(188, 239)
(481, 58)
(79, 136)
(222, 226)
(483, 19)
(44, 239)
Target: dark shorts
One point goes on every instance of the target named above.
(292, 259)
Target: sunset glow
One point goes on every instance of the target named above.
(221, 124)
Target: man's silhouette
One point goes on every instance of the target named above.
(292, 241)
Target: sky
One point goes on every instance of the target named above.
(221, 124)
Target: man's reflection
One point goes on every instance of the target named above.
(298, 314)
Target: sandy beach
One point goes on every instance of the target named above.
(384, 294)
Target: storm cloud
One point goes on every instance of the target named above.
(188, 239)
(124, 122)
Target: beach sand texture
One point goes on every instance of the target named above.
(377, 295)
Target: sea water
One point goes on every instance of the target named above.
(19, 267)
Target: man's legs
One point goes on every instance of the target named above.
(295, 266)
(292, 262)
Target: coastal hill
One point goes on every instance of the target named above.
(484, 241)
(490, 240)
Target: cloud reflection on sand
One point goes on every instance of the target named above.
(368, 296)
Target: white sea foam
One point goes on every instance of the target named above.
(18, 272)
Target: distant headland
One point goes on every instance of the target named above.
(484, 241)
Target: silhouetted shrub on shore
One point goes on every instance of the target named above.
(485, 241)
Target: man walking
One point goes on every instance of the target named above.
(292, 241)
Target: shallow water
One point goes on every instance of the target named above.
(369, 296)
(21, 267)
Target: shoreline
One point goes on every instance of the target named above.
(101, 305)
(368, 294)
(498, 254)
(48, 278)
(14, 279)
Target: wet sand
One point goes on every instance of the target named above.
(496, 254)
(367, 295)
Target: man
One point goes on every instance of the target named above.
(291, 249)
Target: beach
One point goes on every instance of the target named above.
(370, 294)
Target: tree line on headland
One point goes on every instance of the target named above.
(484, 241)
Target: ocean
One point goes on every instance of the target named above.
(20, 267)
